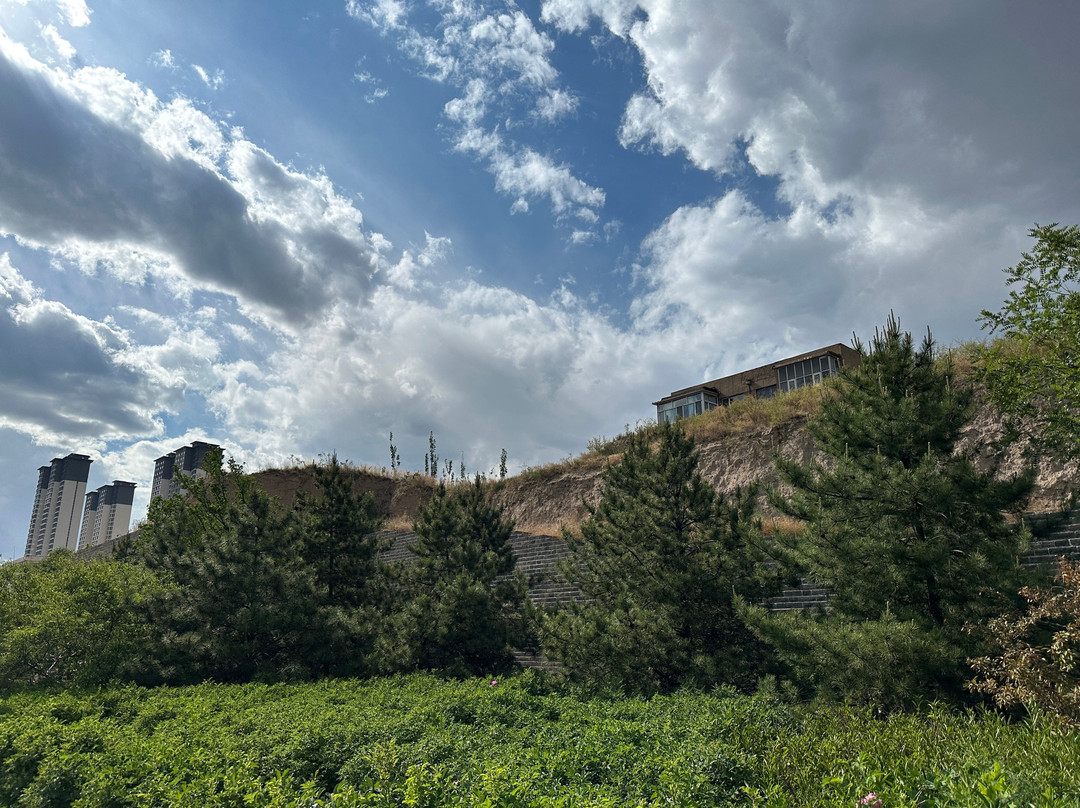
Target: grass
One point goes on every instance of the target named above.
(396, 523)
(736, 419)
(538, 528)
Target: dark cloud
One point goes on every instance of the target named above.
(62, 377)
(68, 174)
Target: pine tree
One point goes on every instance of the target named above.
(238, 604)
(463, 605)
(660, 559)
(339, 545)
(904, 532)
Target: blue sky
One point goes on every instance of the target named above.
(292, 228)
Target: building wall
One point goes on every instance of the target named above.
(107, 514)
(163, 476)
(55, 522)
(186, 460)
(91, 514)
(39, 517)
(760, 382)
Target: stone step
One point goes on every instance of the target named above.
(538, 557)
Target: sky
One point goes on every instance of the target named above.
(294, 228)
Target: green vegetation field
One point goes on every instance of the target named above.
(424, 741)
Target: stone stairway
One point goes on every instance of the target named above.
(1059, 535)
(1062, 538)
(538, 558)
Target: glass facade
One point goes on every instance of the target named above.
(693, 404)
(809, 371)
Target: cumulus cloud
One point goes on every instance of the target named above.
(64, 49)
(94, 162)
(75, 11)
(908, 155)
(67, 377)
(556, 104)
(486, 368)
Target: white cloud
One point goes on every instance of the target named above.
(523, 173)
(497, 57)
(214, 81)
(909, 154)
(385, 15)
(73, 12)
(574, 15)
(206, 205)
(378, 92)
(64, 49)
(76, 12)
(473, 364)
(413, 263)
(163, 59)
(68, 377)
(556, 104)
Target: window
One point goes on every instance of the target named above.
(809, 371)
(693, 404)
(766, 392)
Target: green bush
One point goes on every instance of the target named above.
(65, 621)
(424, 741)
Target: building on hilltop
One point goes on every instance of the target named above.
(766, 381)
(185, 460)
(54, 523)
(107, 513)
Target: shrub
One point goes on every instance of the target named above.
(1039, 667)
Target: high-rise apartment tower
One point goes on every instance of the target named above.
(107, 513)
(185, 460)
(54, 523)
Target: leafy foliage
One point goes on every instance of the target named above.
(1033, 374)
(65, 621)
(907, 535)
(659, 559)
(422, 741)
(463, 605)
(1039, 663)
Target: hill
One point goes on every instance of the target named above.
(736, 444)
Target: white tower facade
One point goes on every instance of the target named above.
(185, 460)
(54, 523)
(107, 513)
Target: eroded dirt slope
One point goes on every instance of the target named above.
(542, 500)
